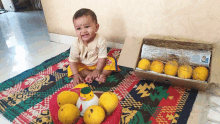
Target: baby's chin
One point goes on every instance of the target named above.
(86, 40)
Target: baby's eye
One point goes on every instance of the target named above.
(78, 28)
(87, 26)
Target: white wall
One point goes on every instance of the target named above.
(191, 19)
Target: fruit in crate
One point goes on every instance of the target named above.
(68, 114)
(157, 66)
(185, 71)
(94, 115)
(87, 98)
(200, 73)
(171, 68)
(67, 97)
(108, 101)
(144, 64)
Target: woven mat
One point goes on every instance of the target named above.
(25, 97)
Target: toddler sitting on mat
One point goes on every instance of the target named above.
(88, 55)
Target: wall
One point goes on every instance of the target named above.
(191, 19)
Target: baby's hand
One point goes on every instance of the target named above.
(88, 79)
(95, 74)
(77, 79)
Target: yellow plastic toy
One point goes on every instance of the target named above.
(94, 115)
(185, 71)
(68, 114)
(67, 97)
(200, 73)
(157, 66)
(171, 68)
(108, 101)
(87, 98)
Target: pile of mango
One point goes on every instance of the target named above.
(172, 68)
(69, 113)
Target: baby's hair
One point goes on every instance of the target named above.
(86, 12)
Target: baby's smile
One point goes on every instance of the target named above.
(85, 36)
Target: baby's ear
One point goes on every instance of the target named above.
(97, 27)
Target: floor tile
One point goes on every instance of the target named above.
(28, 27)
(214, 115)
(31, 49)
(15, 69)
(3, 120)
(6, 61)
(214, 89)
(200, 108)
(209, 122)
(48, 53)
(4, 53)
(218, 109)
(215, 100)
(195, 114)
(23, 34)
(3, 45)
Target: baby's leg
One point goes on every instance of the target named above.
(84, 73)
(102, 77)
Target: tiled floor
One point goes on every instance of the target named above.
(206, 109)
(25, 43)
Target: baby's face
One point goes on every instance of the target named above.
(85, 28)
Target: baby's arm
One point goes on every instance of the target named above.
(100, 65)
(102, 58)
(77, 77)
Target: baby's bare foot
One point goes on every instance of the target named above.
(101, 78)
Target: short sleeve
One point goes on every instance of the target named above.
(102, 48)
(74, 52)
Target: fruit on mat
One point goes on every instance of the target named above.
(171, 68)
(144, 64)
(67, 97)
(108, 101)
(94, 115)
(200, 73)
(68, 114)
(81, 85)
(185, 71)
(157, 66)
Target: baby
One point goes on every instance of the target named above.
(88, 55)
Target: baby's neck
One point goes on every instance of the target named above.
(86, 43)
